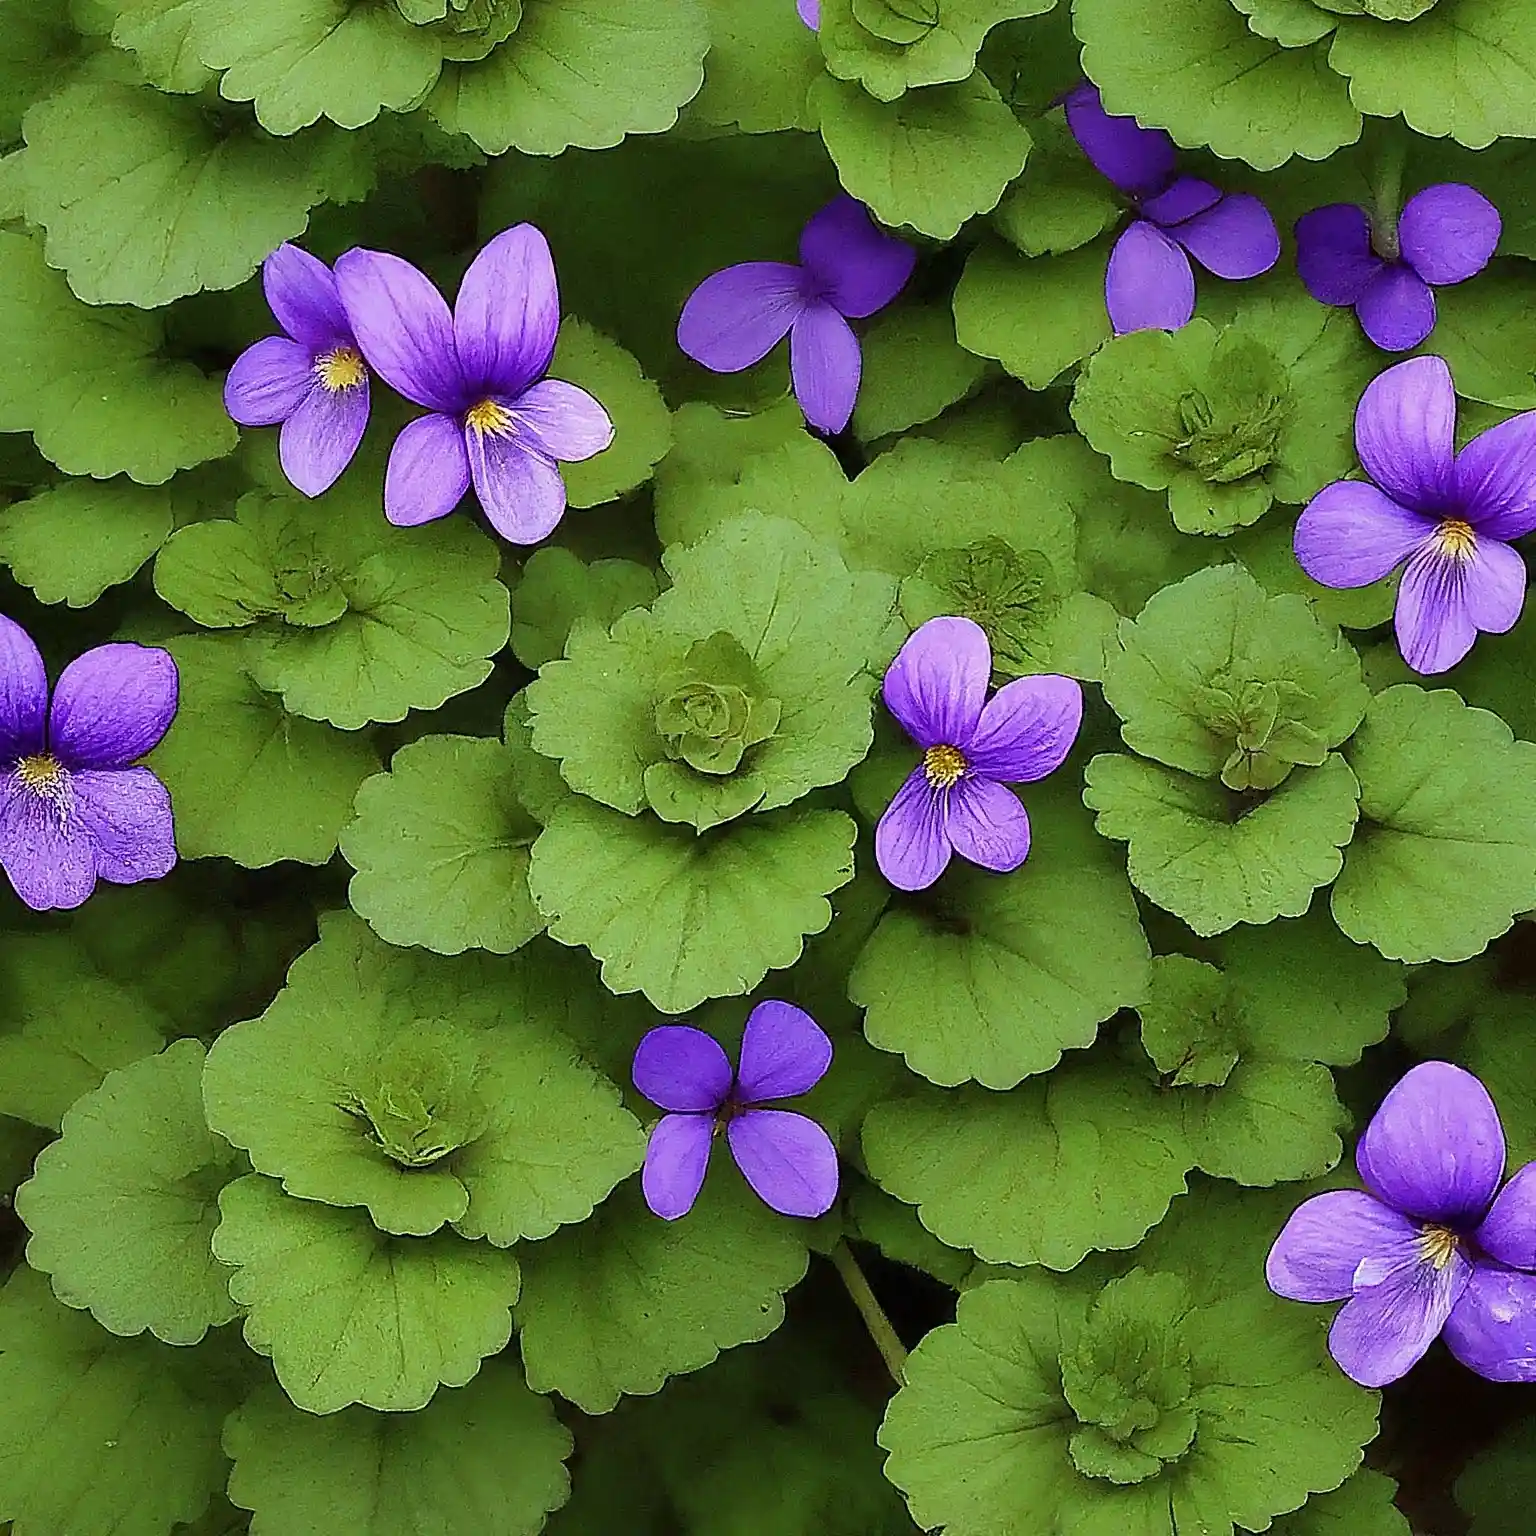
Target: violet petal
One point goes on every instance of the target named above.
(1384, 1329)
(784, 1051)
(735, 318)
(1508, 1231)
(937, 684)
(676, 1160)
(507, 315)
(1026, 729)
(1496, 478)
(48, 867)
(1492, 1327)
(562, 421)
(1320, 1248)
(1187, 196)
(787, 1158)
(1396, 308)
(1443, 602)
(678, 1067)
(112, 705)
(809, 12)
(1434, 1149)
(1138, 160)
(319, 439)
(825, 366)
(1351, 534)
(911, 847)
(857, 266)
(988, 825)
(1405, 424)
(520, 491)
(1448, 232)
(301, 293)
(269, 381)
(428, 471)
(403, 328)
(23, 693)
(1333, 253)
(1149, 284)
(126, 814)
(1235, 239)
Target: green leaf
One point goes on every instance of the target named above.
(1036, 317)
(248, 780)
(1086, 1157)
(39, 46)
(121, 1208)
(762, 61)
(486, 1460)
(159, 35)
(931, 159)
(1198, 850)
(1446, 852)
(66, 1026)
(399, 1081)
(682, 916)
(622, 1302)
(641, 422)
(143, 200)
(1362, 1507)
(913, 370)
(100, 1436)
(440, 845)
(578, 72)
(1269, 553)
(1499, 1482)
(1486, 332)
(889, 46)
(556, 591)
(90, 385)
(71, 543)
(1194, 68)
(1466, 70)
(1060, 202)
(990, 978)
(1295, 23)
(350, 1315)
(1217, 679)
(356, 620)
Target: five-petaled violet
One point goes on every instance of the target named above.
(73, 808)
(313, 379)
(848, 269)
(495, 419)
(1450, 516)
(955, 799)
(1149, 284)
(1431, 1246)
(787, 1158)
(1445, 235)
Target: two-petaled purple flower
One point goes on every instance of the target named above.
(1431, 1246)
(1446, 234)
(496, 422)
(788, 1159)
(1150, 284)
(955, 800)
(73, 808)
(848, 269)
(1450, 516)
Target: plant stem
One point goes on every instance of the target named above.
(1387, 193)
(892, 1351)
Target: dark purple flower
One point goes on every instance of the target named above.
(1435, 1246)
(848, 269)
(1150, 284)
(788, 1159)
(955, 800)
(810, 13)
(1449, 515)
(496, 420)
(1446, 234)
(73, 809)
(312, 379)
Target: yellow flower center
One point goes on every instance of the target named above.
(490, 416)
(340, 368)
(42, 773)
(943, 766)
(1456, 538)
(1438, 1245)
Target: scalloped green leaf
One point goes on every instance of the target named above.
(913, 370)
(762, 61)
(556, 591)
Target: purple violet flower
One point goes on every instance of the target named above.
(496, 420)
(1431, 1245)
(788, 1159)
(73, 809)
(1450, 516)
(848, 269)
(1446, 234)
(955, 799)
(312, 379)
(810, 13)
(1149, 284)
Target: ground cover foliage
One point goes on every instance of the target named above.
(321, 1151)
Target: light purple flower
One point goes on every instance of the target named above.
(848, 269)
(496, 420)
(1450, 516)
(1434, 1246)
(73, 809)
(955, 800)
(788, 1159)
(1150, 284)
(1446, 234)
(313, 379)
(810, 13)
